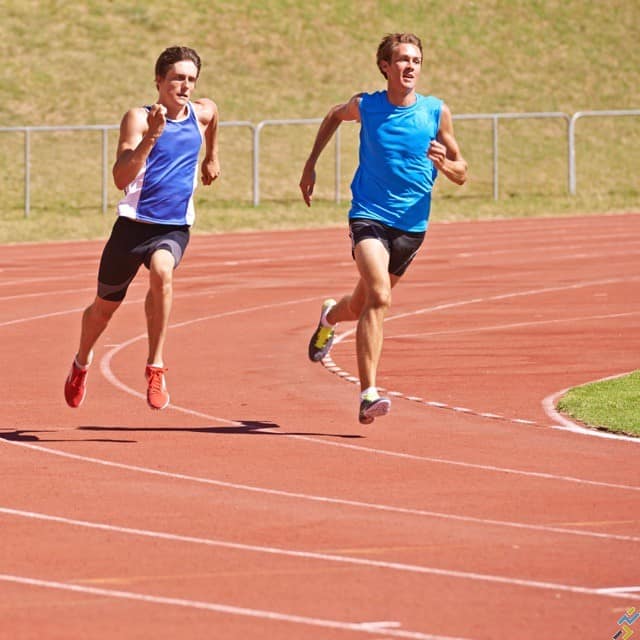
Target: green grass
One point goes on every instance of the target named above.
(612, 405)
(67, 62)
(58, 221)
(70, 62)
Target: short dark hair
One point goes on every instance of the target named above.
(392, 40)
(175, 54)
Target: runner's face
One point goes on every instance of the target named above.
(176, 87)
(404, 69)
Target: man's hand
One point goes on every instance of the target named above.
(437, 153)
(210, 170)
(156, 120)
(307, 182)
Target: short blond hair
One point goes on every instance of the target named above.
(390, 42)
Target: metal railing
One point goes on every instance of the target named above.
(572, 136)
(495, 118)
(256, 153)
(257, 129)
(104, 129)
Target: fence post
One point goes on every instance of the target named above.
(572, 137)
(337, 166)
(495, 158)
(104, 170)
(572, 153)
(27, 172)
(256, 163)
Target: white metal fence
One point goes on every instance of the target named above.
(256, 130)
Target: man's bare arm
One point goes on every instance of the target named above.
(139, 131)
(209, 117)
(444, 152)
(348, 111)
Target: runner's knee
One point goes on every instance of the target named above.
(379, 297)
(102, 310)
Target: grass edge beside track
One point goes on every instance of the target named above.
(610, 405)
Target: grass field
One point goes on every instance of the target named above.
(610, 404)
(77, 63)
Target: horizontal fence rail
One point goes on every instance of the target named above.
(256, 130)
(103, 128)
(495, 118)
(572, 136)
(256, 153)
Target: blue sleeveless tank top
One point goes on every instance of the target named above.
(394, 178)
(163, 191)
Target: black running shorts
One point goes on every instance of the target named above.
(132, 244)
(402, 246)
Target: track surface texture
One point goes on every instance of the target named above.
(256, 506)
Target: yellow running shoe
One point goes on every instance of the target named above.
(322, 339)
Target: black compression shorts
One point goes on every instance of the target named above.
(132, 244)
(402, 246)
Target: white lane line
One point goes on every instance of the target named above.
(8, 283)
(328, 363)
(41, 294)
(105, 368)
(132, 301)
(43, 316)
(104, 365)
(331, 366)
(619, 590)
(105, 362)
(615, 592)
(468, 465)
(326, 499)
(512, 325)
(502, 296)
(344, 374)
(361, 627)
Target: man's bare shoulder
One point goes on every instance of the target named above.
(135, 117)
(350, 110)
(206, 109)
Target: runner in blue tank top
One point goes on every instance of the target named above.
(405, 140)
(157, 167)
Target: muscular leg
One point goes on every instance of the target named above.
(348, 307)
(95, 319)
(368, 303)
(158, 303)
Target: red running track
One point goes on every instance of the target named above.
(256, 506)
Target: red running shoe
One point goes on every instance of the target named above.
(75, 386)
(157, 394)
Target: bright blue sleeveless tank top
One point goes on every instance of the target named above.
(163, 191)
(394, 179)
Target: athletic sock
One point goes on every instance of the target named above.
(323, 319)
(370, 394)
(82, 367)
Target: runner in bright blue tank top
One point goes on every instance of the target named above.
(395, 176)
(406, 139)
(156, 166)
